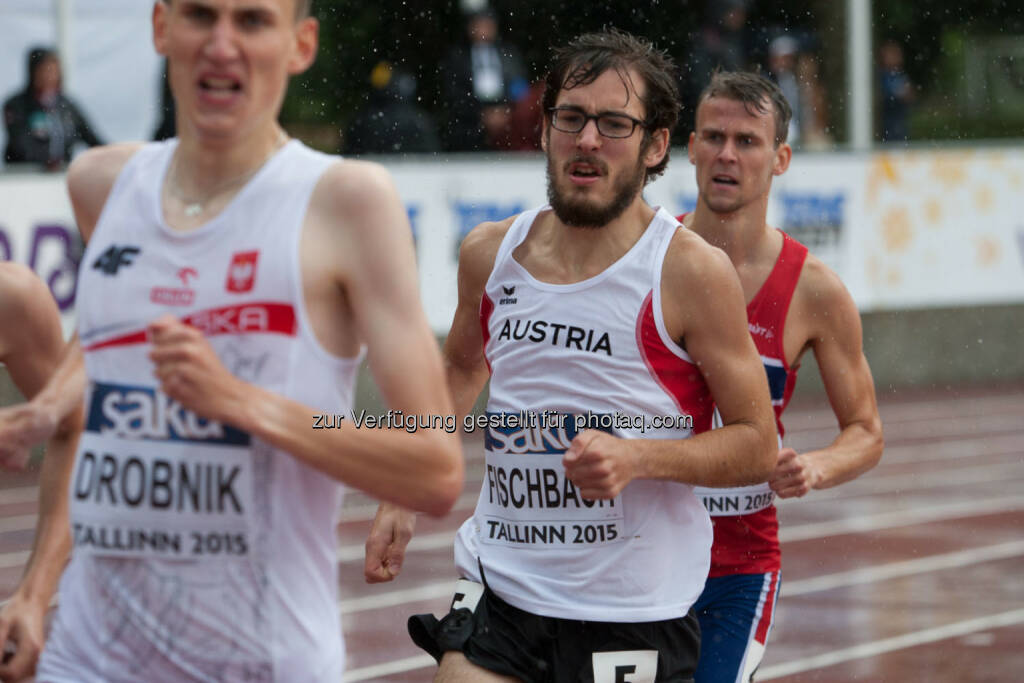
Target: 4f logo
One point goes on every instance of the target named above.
(110, 261)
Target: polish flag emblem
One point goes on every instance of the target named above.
(242, 272)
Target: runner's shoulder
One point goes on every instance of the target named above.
(90, 178)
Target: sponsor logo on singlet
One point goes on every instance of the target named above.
(760, 331)
(556, 334)
(508, 298)
(144, 413)
(114, 258)
(176, 296)
(527, 499)
(255, 317)
(242, 272)
(153, 479)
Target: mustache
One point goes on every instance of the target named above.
(590, 161)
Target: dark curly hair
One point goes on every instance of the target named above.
(582, 62)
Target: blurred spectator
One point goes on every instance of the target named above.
(813, 109)
(896, 92)
(722, 42)
(481, 81)
(390, 122)
(782, 54)
(44, 126)
(526, 122)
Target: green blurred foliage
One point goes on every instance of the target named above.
(938, 36)
(418, 34)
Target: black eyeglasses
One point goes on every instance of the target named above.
(572, 120)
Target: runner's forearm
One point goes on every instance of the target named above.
(419, 470)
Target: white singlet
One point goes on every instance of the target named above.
(593, 354)
(200, 553)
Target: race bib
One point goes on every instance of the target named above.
(153, 480)
(742, 500)
(527, 500)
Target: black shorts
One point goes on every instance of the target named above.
(506, 640)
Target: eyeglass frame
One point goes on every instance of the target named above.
(597, 121)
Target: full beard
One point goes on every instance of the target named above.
(586, 213)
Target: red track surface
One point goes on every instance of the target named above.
(914, 572)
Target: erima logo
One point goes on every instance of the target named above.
(508, 298)
(539, 332)
(114, 258)
(144, 413)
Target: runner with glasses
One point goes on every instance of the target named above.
(588, 548)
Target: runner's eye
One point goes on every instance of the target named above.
(614, 125)
(570, 119)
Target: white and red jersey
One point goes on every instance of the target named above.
(744, 518)
(200, 552)
(592, 354)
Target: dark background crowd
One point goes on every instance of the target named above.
(396, 77)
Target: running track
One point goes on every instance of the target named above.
(914, 572)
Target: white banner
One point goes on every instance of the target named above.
(37, 228)
(903, 230)
(943, 228)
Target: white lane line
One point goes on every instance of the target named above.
(368, 673)
(911, 482)
(360, 513)
(19, 494)
(893, 570)
(953, 408)
(889, 520)
(798, 532)
(821, 661)
(435, 541)
(877, 647)
(366, 512)
(873, 484)
(16, 559)
(444, 589)
(17, 523)
(881, 572)
(430, 591)
(949, 449)
(896, 569)
(926, 431)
